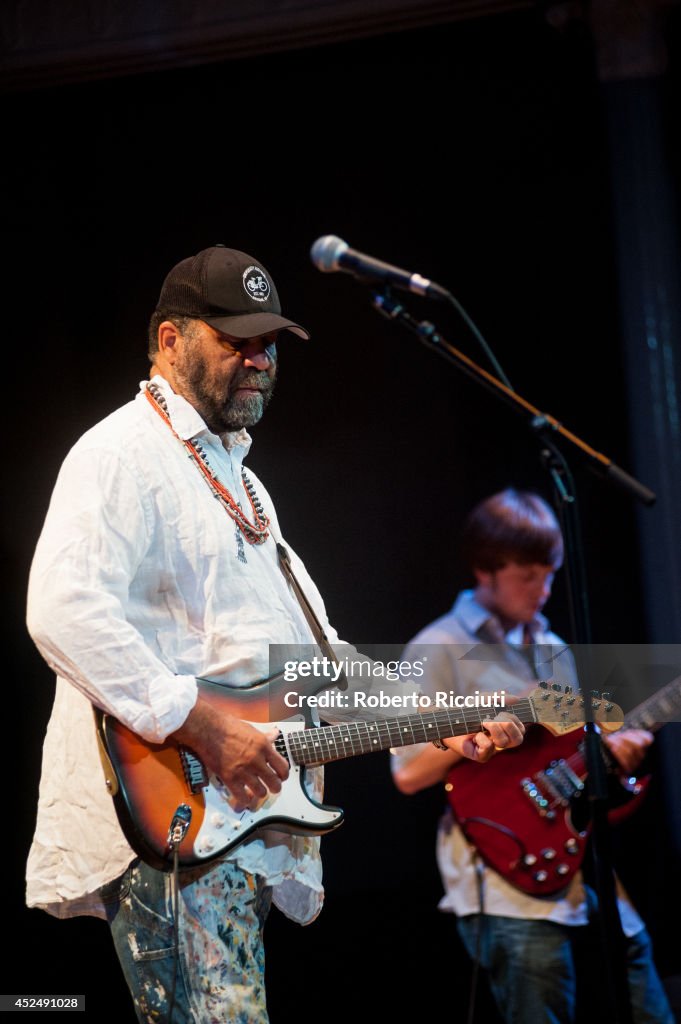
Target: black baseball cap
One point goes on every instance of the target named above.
(229, 290)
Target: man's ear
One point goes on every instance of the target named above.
(482, 577)
(168, 340)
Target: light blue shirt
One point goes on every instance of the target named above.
(464, 650)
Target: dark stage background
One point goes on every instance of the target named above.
(474, 153)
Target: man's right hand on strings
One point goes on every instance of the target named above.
(241, 756)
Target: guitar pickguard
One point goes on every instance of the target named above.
(290, 810)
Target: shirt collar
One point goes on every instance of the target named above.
(187, 422)
(473, 615)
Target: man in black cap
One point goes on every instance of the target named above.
(157, 566)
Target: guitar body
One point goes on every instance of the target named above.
(154, 780)
(518, 810)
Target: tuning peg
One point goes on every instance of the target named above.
(568, 689)
(556, 686)
(595, 693)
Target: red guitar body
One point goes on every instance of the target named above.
(516, 810)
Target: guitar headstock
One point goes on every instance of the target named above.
(561, 709)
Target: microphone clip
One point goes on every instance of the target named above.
(392, 309)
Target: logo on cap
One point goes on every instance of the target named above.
(256, 284)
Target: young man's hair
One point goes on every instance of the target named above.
(157, 318)
(511, 526)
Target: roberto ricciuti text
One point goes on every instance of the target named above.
(360, 699)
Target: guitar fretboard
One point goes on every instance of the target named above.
(658, 709)
(334, 742)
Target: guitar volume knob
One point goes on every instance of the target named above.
(562, 869)
(529, 860)
(549, 853)
(540, 876)
(571, 846)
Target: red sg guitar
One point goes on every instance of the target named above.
(518, 810)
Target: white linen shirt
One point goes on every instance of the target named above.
(141, 582)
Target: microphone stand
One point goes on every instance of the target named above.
(547, 429)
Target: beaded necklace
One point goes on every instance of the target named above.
(255, 532)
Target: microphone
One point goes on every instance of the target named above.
(330, 254)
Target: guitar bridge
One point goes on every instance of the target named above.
(194, 773)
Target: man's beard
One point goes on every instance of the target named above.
(220, 406)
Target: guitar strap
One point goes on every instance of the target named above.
(309, 613)
(519, 660)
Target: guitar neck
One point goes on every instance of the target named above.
(334, 742)
(662, 707)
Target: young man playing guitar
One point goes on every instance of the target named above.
(516, 923)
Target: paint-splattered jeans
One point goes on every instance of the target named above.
(220, 975)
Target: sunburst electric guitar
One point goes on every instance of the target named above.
(167, 802)
(524, 816)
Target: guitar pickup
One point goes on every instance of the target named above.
(194, 773)
(537, 798)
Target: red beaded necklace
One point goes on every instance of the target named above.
(255, 532)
